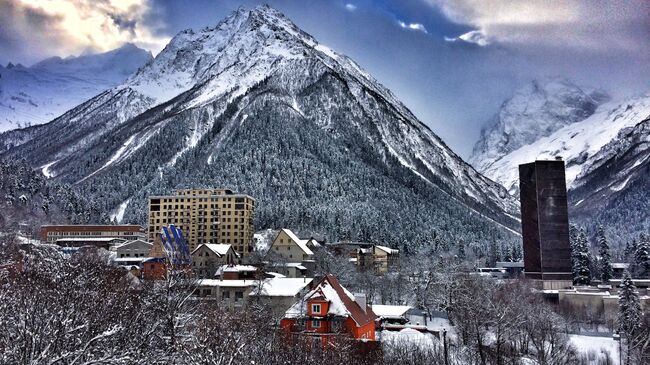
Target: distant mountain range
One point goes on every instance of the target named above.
(257, 105)
(605, 145)
(37, 94)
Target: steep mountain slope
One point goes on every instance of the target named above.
(257, 105)
(607, 157)
(536, 110)
(29, 200)
(37, 94)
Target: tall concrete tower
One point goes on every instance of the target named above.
(545, 224)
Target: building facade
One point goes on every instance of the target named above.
(208, 257)
(291, 248)
(545, 223)
(52, 233)
(206, 216)
(329, 311)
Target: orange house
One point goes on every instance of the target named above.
(330, 310)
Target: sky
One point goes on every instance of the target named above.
(451, 62)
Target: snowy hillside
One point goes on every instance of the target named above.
(607, 157)
(536, 110)
(580, 144)
(258, 105)
(37, 94)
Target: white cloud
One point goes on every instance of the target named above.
(475, 36)
(350, 7)
(69, 27)
(413, 26)
(575, 23)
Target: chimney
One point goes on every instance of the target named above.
(360, 298)
(558, 158)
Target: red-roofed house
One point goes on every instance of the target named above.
(330, 310)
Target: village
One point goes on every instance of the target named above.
(330, 291)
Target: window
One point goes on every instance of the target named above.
(315, 324)
(225, 295)
(239, 295)
(315, 308)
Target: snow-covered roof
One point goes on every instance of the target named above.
(388, 250)
(390, 311)
(120, 260)
(312, 241)
(90, 239)
(620, 265)
(275, 274)
(235, 268)
(218, 248)
(301, 243)
(133, 242)
(282, 287)
(226, 283)
(341, 302)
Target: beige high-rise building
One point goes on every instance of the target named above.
(206, 216)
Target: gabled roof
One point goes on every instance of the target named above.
(301, 243)
(134, 242)
(341, 302)
(218, 249)
(312, 242)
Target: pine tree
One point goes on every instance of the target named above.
(642, 256)
(461, 250)
(629, 307)
(605, 260)
(580, 256)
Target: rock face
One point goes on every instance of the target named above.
(606, 156)
(536, 110)
(257, 105)
(37, 94)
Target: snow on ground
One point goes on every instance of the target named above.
(621, 186)
(599, 345)
(119, 212)
(46, 169)
(408, 336)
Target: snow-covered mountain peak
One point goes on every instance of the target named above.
(40, 93)
(536, 110)
(243, 50)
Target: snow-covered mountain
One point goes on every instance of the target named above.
(607, 157)
(37, 94)
(536, 110)
(258, 105)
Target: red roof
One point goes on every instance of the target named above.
(360, 316)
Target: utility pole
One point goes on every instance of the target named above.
(444, 341)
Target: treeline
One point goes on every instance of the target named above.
(592, 259)
(28, 200)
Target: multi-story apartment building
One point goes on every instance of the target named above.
(54, 233)
(206, 216)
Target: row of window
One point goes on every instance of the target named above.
(134, 255)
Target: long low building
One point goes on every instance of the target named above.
(53, 233)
